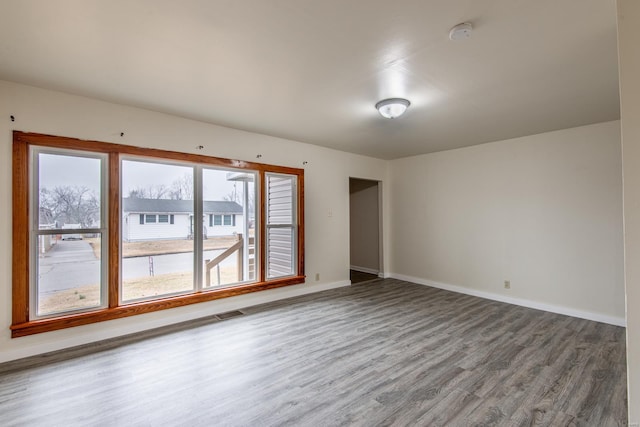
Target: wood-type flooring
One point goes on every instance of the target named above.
(383, 353)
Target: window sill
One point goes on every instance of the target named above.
(72, 320)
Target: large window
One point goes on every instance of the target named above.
(103, 231)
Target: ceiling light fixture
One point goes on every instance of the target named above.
(461, 31)
(392, 107)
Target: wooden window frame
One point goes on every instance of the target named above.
(22, 325)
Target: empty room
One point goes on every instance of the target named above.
(305, 213)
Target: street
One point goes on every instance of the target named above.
(71, 263)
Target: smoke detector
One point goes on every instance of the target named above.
(461, 31)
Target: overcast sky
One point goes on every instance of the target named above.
(61, 170)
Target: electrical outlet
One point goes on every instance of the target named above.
(317, 276)
(507, 284)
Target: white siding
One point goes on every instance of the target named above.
(136, 231)
(133, 231)
(280, 260)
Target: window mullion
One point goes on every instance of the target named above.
(112, 226)
(263, 227)
(198, 223)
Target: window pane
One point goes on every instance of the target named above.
(67, 264)
(68, 274)
(68, 191)
(280, 191)
(229, 250)
(280, 252)
(157, 257)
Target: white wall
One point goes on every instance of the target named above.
(364, 226)
(629, 68)
(326, 187)
(543, 211)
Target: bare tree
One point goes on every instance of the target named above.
(137, 193)
(182, 188)
(158, 191)
(236, 195)
(71, 205)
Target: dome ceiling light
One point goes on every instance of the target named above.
(392, 107)
(461, 31)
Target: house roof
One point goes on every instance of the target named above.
(136, 205)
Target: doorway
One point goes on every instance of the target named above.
(365, 230)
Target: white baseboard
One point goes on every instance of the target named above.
(364, 269)
(567, 311)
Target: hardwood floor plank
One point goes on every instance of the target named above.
(385, 353)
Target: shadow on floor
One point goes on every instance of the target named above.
(360, 277)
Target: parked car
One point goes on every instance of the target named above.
(73, 236)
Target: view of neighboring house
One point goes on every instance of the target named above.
(155, 219)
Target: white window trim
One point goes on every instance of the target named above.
(35, 232)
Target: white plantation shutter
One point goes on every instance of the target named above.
(280, 254)
(281, 225)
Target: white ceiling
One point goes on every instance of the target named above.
(312, 70)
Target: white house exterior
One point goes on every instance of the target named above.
(158, 219)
